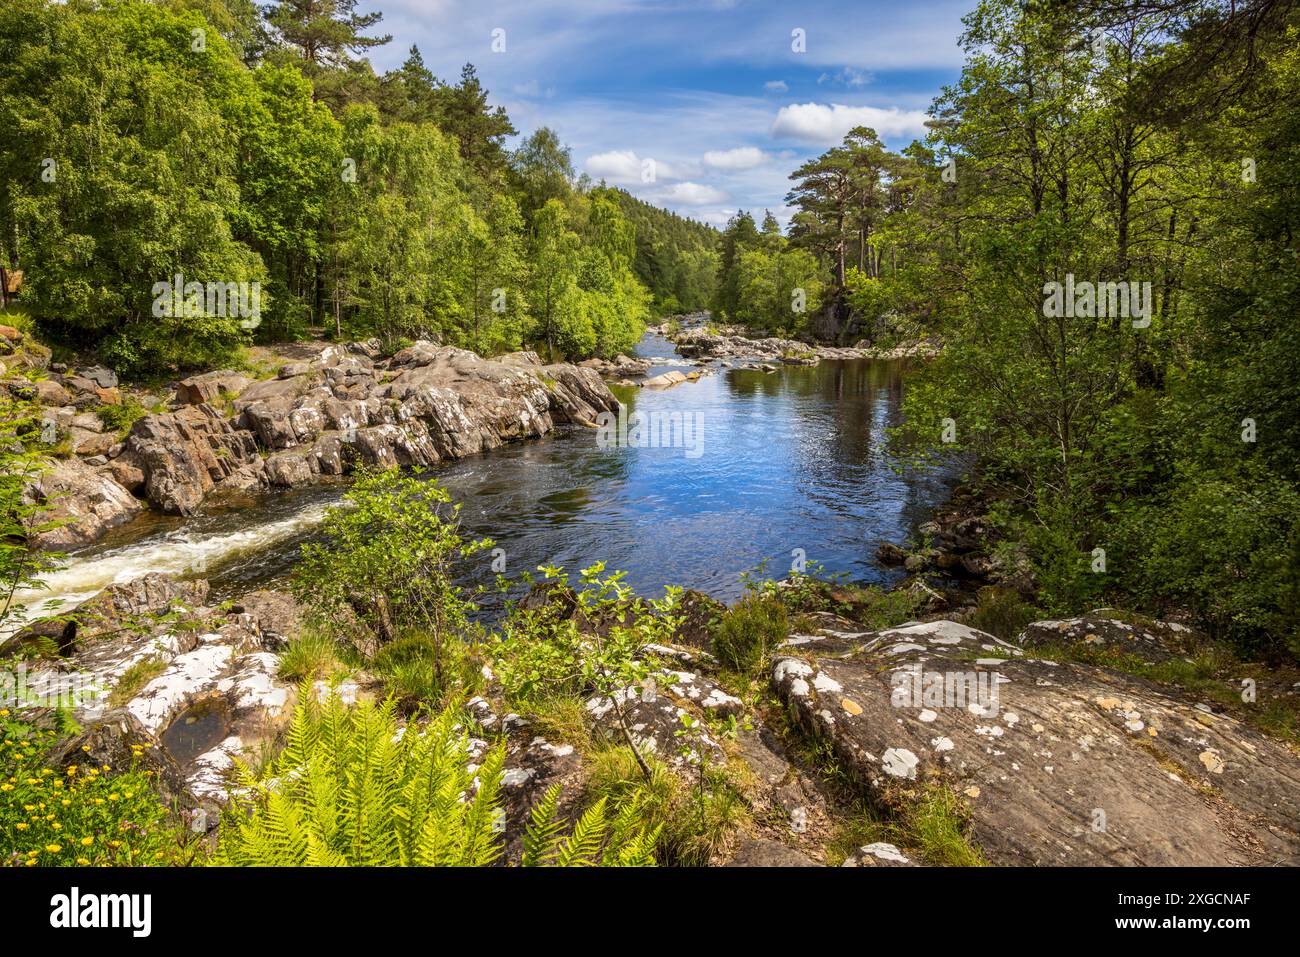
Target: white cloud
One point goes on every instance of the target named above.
(626, 168)
(693, 194)
(617, 166)
(826, 125)
(742, 157)
(776, 86)
(847, 76)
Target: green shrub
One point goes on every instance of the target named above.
(86, 815)
(313, 654)
(119, 418)
(1002, 612)
(746, 634)
(387, 564)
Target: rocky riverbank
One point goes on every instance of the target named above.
(736, 343)
(307, 420)
(1042, 760)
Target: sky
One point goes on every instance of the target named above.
(700, 106)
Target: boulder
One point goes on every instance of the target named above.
(1059, 763)
(84, 502)
(49, 392)
(1154, 641)
(210, 386)
(102, 376)
(184, 454)
(665, 380)
(764, 852)
(578, 395)
(215, 695)
(887, 553)
(124, 605)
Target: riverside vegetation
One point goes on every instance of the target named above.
(374, 716)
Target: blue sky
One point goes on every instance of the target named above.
(710, 90)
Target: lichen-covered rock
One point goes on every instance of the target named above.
(764, 852)
(578, 395)
(131, 605)
(320, 418)
(1060, 763)
(211, 695)
(878, 854)
(1154, 641)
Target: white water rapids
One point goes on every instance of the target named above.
(179, 552)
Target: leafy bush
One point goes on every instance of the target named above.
(1226, 545)
(386, 566)
(82, 816)
(1002, 612)
(595, 646)
(745, 635)
(119, 418)
(352, 788)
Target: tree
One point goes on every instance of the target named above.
(119, 176)
(544, 169)
(323, 32)
(478, 128)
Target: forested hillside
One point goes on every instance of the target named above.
(1101, 229)
(142, 142)
(676, 257)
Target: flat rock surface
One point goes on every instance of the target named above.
(1060, 764)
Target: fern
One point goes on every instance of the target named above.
(351, 788)
(595, 839)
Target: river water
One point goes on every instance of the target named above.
(769, 466)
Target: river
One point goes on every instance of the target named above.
(783, 466)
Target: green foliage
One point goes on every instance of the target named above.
(87, 816)
(595, 839)
(676, 257)
(352, 789)
(21, 462)
(1002, 612)
(386, 566)
(688, 825)
(413, 673)
(1149, 462)
(119, 418)
(938, 822)
(107, 92)
(748, 632)
(595, 646)
(368, 205)
(313, 654)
